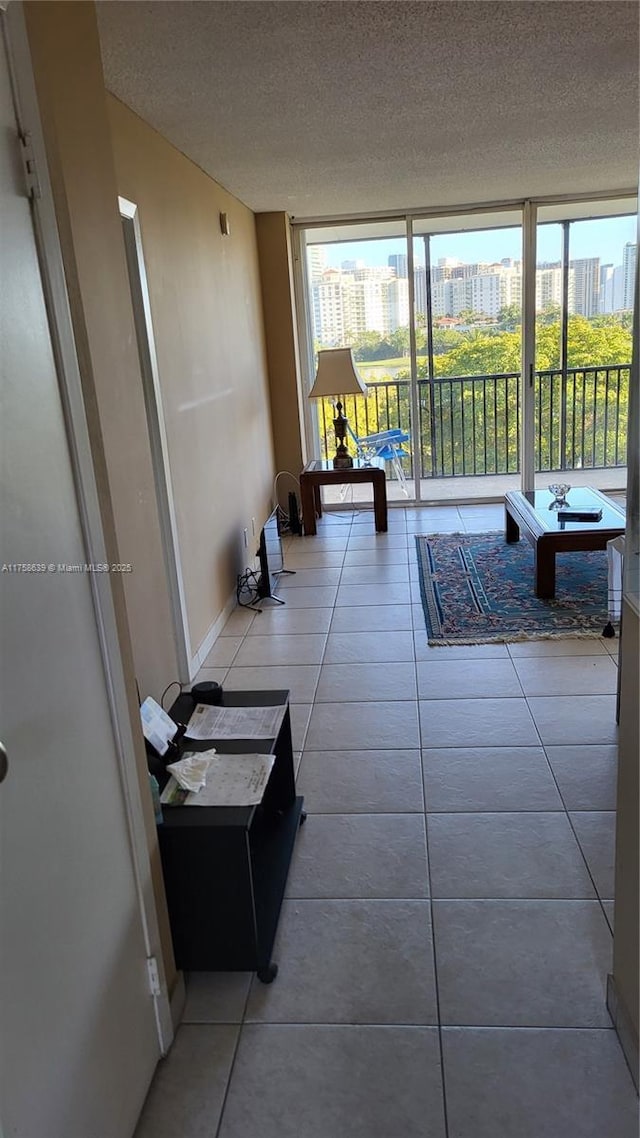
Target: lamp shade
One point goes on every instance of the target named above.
(337, 374)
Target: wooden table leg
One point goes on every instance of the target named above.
(307, 495)
(545, 571)
(511, 528)
(380, 504)
(317, 499)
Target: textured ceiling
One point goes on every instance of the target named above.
(346, 107)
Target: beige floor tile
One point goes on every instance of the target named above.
(567, 675)
(466, 679)
(360, 855)
(360, 961)
(372, 618)
(281, 649)
(575, 718)
(488, 779)
(299, 679)
(580, 646)
(363, 726)
(358, 682)
(477, 723)
(374, 647)
(301, 1081)
(361, 782)
(527, 1083)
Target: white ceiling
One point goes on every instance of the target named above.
(326, 108)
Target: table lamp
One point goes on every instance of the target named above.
(336, 377)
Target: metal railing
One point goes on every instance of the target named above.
(471, 424)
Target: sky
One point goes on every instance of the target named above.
(603, 238)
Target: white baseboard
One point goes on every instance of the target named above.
(203, 651)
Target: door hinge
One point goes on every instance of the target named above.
(154, 976)
(29, 166)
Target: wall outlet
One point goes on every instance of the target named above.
(245, 534)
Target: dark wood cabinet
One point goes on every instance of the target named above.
(225, 867)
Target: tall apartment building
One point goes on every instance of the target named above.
(397, 304)
(487, 290)
(398, 262)
(586, 286)
(346, 304)
(317, 261)
(548, 286)
(420, 288)
(629, 261)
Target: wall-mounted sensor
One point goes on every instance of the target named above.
(224, 224)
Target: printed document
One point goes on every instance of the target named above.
(214, 722)
(232, 780)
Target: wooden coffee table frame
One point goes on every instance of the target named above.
(314, 476)
(520, 517)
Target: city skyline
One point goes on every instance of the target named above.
(356, 298)
(604, 238)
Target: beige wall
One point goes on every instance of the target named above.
(68, 74)
(276, 275)
(69, 78)
(206, 308)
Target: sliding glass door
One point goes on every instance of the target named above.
(467, 305)
(434, 310)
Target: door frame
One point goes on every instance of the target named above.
(73, 408)
(152, 391)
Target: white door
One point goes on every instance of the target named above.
(77, 1023)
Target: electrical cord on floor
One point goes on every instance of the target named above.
(173, 683)
(247, 588)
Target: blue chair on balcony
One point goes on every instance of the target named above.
(387, 446)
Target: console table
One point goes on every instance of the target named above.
(225, 867)
(320, 472)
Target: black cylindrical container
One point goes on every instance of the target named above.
(207, 692)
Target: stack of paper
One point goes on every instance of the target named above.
(231, 780)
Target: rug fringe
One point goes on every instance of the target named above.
(515, 638)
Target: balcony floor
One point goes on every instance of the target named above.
(476, 487)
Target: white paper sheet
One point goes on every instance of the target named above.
(157, 727)
(232, 780)
(209, 722)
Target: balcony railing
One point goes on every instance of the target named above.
(471, 424)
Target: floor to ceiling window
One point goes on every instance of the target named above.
(584, 309)
(468, 296)
(432, 308)
(358, 298)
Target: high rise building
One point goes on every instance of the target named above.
(586, 286)
(317, 261)
(398, 262)
(397, 304)
(629, 261)
(606, 289)
(548, 286)
(420, 288)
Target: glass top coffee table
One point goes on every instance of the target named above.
(532, 513)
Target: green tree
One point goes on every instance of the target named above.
(509, 317)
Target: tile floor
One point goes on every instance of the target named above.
(445, 938)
